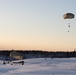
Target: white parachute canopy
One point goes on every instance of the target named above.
(16, 55)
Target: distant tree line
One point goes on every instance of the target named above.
(5, 54)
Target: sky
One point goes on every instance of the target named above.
(37, 25)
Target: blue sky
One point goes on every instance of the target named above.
(37, 25)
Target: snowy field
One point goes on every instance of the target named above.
(40, 66)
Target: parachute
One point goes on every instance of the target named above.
(16, 55)
(68, 16)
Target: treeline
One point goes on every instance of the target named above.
(38, 54)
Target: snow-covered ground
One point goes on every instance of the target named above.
(41, 66)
